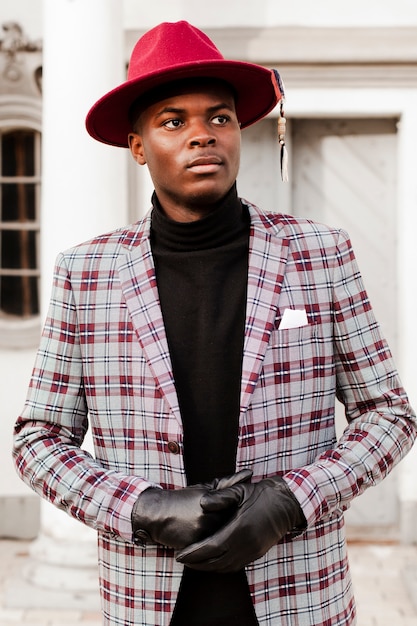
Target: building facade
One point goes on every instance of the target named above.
(350, 77)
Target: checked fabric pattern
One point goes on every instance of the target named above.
(104, 362)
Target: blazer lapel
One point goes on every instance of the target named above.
(268, 253)
(138, 283)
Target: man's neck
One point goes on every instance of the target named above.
(190, 212)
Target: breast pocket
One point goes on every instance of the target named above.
(300, 333)
(297, 355)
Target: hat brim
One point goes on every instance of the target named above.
(257, 93)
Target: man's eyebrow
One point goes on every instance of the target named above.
(169, 109)
(221, 105)
(181, 111)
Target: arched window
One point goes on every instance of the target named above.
(20, 187)
(20, 178)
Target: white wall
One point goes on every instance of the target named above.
(140, 14)
(15, 369)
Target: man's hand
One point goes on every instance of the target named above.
(175, 518)
(267, 511)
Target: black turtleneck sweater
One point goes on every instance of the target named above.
(201, 271)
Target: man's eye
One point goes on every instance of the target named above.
(220, 120)
(175, 123)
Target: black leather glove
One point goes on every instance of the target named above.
(267, 511)
(175, 518)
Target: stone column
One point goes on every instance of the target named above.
(83, 194)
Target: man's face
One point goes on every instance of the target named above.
(190, 141)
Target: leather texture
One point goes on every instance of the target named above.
(175, 517)
(266, 512)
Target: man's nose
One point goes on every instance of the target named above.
(201, 134)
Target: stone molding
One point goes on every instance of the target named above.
(323, 57)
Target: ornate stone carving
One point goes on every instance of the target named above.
(20, 62)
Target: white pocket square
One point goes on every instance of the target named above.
(293, 318)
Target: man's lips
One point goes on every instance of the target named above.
(205, 164)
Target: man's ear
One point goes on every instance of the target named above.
(136, 148)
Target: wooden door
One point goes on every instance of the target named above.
(343, 173)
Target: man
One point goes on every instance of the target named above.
(206, 344)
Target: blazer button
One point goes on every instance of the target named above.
(140, 538)
(173, 447)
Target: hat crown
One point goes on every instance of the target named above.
(176, 51)
(171, 44)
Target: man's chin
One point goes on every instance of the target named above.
(194, 205)
(208, 198)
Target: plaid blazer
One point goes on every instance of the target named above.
(104, 360)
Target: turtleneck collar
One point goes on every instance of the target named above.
(218, 228)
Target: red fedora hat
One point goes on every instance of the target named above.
(178, 50)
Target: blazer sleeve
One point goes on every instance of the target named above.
(381, 425)
(49, 433)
